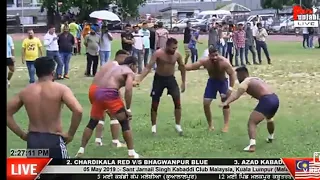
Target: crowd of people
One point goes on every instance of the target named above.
(308, 35)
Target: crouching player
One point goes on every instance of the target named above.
(266, 109)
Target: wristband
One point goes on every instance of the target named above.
(230, 88)
(129, 110)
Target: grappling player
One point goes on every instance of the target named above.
(217, 67)
(266, 109)
(166, 60)
(104, 94)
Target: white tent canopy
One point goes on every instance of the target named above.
(234, 7)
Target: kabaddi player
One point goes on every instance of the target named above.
(166, 60)
(43, 102)
(217, 67)
(104, 94)
(266, 109)
(114, 124)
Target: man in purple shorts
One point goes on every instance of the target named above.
(266, 109)
(217, 67)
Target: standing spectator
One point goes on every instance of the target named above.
(79, 38)
(31, 50)
(254, 30)
(127, 39)
(85, 29)
(10, 59)
(239, 42)
(229, 53)
(213, 38)
(261, 43)
(138, 47)
(319, 36)
(66, 43)
(223, 38)
(74, 28)
(311, 35)
(186, 41)
(193, 44)
(51, 44)
(146, 42)
(105, 45)
(249, 46)
(153, 41)
(161, 36)
(305, 36)
(92, 42)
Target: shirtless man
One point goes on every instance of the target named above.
(104, 94)
(114, 124)
(43, 102)
(266, 109)
(217, 67)
(164, 78)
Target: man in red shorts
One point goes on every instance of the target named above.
(114, 123)
(104, 93)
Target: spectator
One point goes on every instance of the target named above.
(261, 43)
(193, 44)
(146, 42)
(79, 39)
(249, 45)
(239, 42)
(66, 43)
(10, 59)
(229, 53)
(161, 36)
(153, 41)
(319, 37)
(31, 50)
(213, 38)
(127, 39)
(92, 42)
(305, 35)
(74, 28)
(138, 47)
(223, 38)
(254, 30)
(311, 35)
(105, 45)
(186, 41)
(86, 29)
(51, 44)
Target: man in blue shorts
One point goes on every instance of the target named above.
(266, 109)
(217, 67)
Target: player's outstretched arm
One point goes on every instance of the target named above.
(194, 66)
(232, 74)
(128, 90)
(148, 68)
(236, 94)
(14, 106)
(75, 107)
(181, 68)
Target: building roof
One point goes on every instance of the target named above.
(234, 7)
(178, 8)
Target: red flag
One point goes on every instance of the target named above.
(25, 168)
(303, 168)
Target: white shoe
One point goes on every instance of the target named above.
(80, 153)
(135, 156)
(8, 83)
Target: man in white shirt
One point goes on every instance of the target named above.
(51, 44)
(305, 35)
(138, 47)
(261, 43)
(105, 45)
(146, 42)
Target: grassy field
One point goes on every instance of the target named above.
(295, 75)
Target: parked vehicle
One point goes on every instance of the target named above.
(284, 26)
(265, 19)
(180, 25)
(203, 26)
(220, 14)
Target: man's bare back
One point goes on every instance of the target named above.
(114, 76)
(256, 87)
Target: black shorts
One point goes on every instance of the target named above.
(55, 144)
(10, 62)
(162, 82)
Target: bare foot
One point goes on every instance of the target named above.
(225, 129)
(211, 128)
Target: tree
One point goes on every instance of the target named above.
(127, 7)
(275, 4)
(305, 3)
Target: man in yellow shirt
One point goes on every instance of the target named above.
(31, 50)
(73, 29)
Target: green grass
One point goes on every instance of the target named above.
(295, 75)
